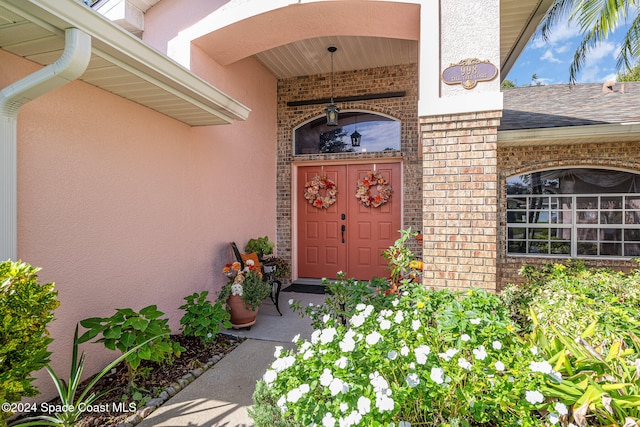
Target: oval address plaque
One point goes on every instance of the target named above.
(469, 72)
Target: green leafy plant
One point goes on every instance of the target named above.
(127, 329)
(341, 298)
(74, 407)
(572, 296)
(246, 283)
(402, 262)
(203, 319)
(433, 358)
(260, 245)
(597, 388)
(26, 308)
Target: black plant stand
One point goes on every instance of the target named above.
(269, 274)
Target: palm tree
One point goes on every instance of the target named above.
(597, 19)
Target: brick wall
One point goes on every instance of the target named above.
(460, 200)
(350, 83)
(519, 160)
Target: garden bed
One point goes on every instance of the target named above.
(157, 386)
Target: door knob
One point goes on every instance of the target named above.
(343, 228)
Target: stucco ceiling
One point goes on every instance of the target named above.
(518, 19)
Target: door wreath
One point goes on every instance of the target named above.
(363, 193)
(312, 192)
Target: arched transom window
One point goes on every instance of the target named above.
(377, 133)
(578, 213)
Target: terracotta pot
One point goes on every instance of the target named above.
(241, 317)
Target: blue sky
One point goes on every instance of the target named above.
(551, 60)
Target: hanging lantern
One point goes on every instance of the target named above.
(332, 110)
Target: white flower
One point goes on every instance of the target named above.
(404, 351)
(534, 350)
(328, 420)
(373, 338)
(360, 307)
(385, 324)
(464, 363)
(344, 407)
(499, 366)
(448, 355)
(497, 345)
(296, 338)
(282, 404)
(395, 302)
(364, 405)
(315, 336)
(534, 397)
(270, 376)
(326, 377)
(413, 380)
(353, 419)
(384, 402)
(278, 350)
(437, 375)
(368, 310)
(475, 321)
(342, 362)
(325, 318)
(281, 364)
(358, 320)
(553, 418)
(415, 324)
(465, 337)
(399, 317)
(542, 367)
(327, 335)
(480, 353)
(291, 301)
(421, 354)
(348, 344)
(392, 355)
(308, 354)
(294, 395)
(404, 424)
(561, 409)
(557, 376)
(338, 386)
(378, 382)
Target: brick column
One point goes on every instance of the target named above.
(460, 199)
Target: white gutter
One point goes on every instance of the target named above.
(68, 67)
(569, 134)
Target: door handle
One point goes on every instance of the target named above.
(343, 228)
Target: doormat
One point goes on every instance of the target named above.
(306, 289)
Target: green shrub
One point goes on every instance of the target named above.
(433, 358)
(26, 308)
(341, 298)
(126, 329)
(598, 388)
(572, 296)
(203, 319)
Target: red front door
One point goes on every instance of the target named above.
(347, 236)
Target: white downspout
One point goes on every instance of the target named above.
(70, 66)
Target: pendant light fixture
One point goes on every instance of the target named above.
(332, 110)
(355, 136)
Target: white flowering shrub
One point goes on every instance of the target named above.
(428, 358)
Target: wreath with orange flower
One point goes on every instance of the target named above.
(377, 181)
(314, 196)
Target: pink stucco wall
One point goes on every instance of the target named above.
(124, 207)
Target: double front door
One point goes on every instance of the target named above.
(347, 236)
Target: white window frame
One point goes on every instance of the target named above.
(626, 216)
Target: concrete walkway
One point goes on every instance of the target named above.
(221, 395)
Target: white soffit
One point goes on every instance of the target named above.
(120, 63)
